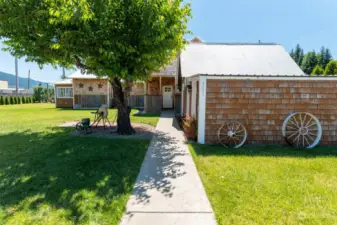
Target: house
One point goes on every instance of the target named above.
(86, 91)
(3, 84)
(256, 84)
(82, 91)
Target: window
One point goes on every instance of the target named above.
(167, 89)
(64, 92)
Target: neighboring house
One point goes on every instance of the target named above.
(3, 84)
(85, 91)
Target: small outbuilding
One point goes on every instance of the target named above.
(258, 86)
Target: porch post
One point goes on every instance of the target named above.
(145, 96)
(72, 85)
(194, 99)
(202, 109)
(108, 94)
(182, 97)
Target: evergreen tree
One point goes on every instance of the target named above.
(309, 62)
(11, 100)
(38, 92)
(331, 68)
(318, 70)
(298, 54)
(301, 56)
(23, 100)
(327, 57)
(321, 57)
(6, 100)
(15, 101)
(2, 102)
(18, 100)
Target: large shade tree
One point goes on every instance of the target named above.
(124, 40)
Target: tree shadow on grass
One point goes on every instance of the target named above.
(265, 150)
(79, 180)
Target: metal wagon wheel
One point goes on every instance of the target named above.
(79, 126)
(232, 134)
(302, 130)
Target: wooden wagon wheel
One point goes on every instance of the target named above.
(232, 134)
(302, 130)
(79, 126)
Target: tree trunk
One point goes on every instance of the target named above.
(123, 118)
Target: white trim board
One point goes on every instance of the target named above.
(285, 78)
(202, 109)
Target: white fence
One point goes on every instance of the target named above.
(12, 92)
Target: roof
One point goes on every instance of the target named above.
(262, 59)
(270, 77)
(169, 70)
(64, 81)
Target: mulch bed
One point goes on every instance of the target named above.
(143, 131)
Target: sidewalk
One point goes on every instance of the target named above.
(168, 189)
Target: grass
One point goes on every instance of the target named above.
(48, 177)
(269, 184)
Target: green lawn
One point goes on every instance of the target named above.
(269, 185)
(48, 177)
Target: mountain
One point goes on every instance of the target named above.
(23, 82)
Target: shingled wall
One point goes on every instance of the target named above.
(263, 105)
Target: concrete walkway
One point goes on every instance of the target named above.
(168, 190)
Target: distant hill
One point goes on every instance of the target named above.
(23, 82)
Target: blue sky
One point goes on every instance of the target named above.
(311, 23)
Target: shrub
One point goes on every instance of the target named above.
(2, 102)
(38, 93)
(15, 100)
(23, 100)
(6, 100)
(18, 100)
(190, 128)
(11, 100)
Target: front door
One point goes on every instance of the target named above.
(167, 97)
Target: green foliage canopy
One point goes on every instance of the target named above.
(331, 68)
(309, 62)
(126, 39)
(318, 70)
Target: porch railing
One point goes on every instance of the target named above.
(154, 103)
(136, 101)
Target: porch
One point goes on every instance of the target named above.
(156, 94)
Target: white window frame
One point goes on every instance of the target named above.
(65, 92)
